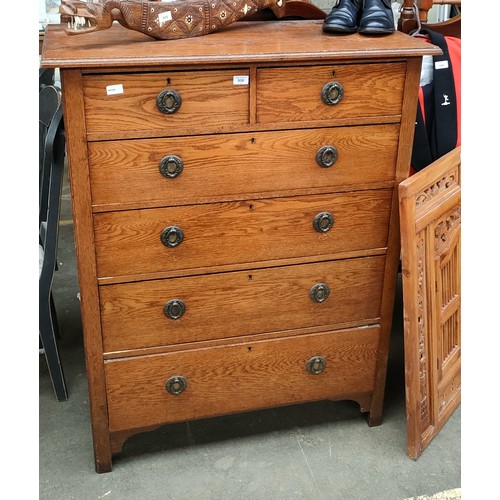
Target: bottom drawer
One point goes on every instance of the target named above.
(240, 377)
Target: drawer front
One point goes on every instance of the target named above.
(130, 242)
(184, 170)
(217, 306)
(209, 101)
(239, 377)
(295, 94)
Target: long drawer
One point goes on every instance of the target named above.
(195, 236)
(200, 383)
(181, 170)
(217, 306)
(324, 93)
(202, 100)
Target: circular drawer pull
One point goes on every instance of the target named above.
(176, 384)
(171, 166)
(319, 292)
(323, 222)
(174, 309)
(172, 236)
(316, 365)
(332, 93)
(326, 156)
(168, 101)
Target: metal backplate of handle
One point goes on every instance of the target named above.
(319, 292)
(168, 101)
(174, 309)
(332, 93)
(327, 156)
(176, 384)
(171, 166)
(172, 236)
(316, 365)
(323, 222)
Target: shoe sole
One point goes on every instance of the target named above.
(375, 31)
(341, 30)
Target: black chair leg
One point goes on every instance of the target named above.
(52, 353)
(55, 323)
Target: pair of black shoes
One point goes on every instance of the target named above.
(369, 17)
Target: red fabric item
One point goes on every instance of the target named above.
(455, 50)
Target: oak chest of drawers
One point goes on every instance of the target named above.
(235, 219)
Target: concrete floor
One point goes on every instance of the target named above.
(320, 451)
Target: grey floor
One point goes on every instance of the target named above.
(320, 451)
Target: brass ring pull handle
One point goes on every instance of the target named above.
(171, 166)
(176, 384)
(172, 236)
(326, 156)
(332, 93)
(174, 309)
(316, 365)
(323, 222)
(168, 101)
(319, 292)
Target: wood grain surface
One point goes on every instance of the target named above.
(126, 174)
(250, 231)
(240, 303)
(240, 377)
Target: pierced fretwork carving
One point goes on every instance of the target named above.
(444, 228)
(421, 325)
(435, 189)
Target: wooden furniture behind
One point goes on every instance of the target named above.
(236, 216)
(412, 18)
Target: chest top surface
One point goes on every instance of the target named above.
(249, 42)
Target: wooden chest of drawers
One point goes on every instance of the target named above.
(235, 217)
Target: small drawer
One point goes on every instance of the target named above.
(175, 387)
(163, 103)
(184, 170)
(326, 93)
(215, 306)
(138, 242)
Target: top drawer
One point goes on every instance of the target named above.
(323, 93)
(159, 103)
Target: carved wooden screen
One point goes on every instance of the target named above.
(430, 203)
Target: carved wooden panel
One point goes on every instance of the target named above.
(430, 204)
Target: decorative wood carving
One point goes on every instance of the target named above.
(430, 206)
(162, 20)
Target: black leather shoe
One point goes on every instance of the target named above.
(377, 18)
(343, 17)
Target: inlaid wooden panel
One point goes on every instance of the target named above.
(210, 100)
(236, 232)
(237, 166)
(240, 303)
(240, 377)
(294, 94)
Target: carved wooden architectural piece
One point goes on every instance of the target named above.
(430, 204)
